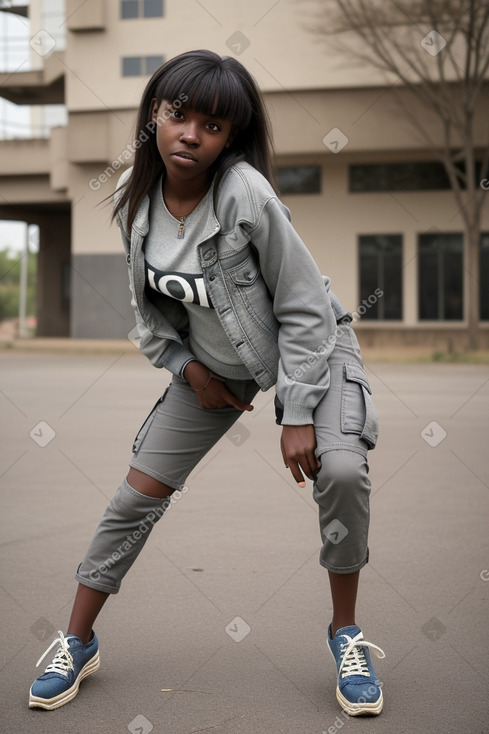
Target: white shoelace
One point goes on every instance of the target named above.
(62, 661)
(354, 661)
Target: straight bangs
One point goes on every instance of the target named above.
(213, 91)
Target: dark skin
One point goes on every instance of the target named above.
(189, 142)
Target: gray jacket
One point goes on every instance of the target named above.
(273, 303)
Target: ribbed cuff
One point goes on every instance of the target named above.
(175, 357)
(182, 369)
(297, 415)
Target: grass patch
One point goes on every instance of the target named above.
(480, 357)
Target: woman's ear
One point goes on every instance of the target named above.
(154, 109)
(231, 137)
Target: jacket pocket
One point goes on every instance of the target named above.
(147, 424)
(358, 412)
(247, 272)
(250, 290)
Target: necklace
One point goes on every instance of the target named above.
(181, 227)
(183, 217)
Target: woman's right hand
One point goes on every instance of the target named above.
(211, 391)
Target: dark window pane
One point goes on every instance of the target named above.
(131, 66)
(423, 176)
(428, 286)
(440, 275)
(369, 279)
(484, 277)
(299, 179)
(153, 8)
(129, 9)
(392, 298)
(152, 63)
(453, 286)
(415, 176)
(380, 268)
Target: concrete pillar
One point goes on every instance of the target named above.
(53, 275)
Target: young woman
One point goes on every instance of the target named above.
(229, 300)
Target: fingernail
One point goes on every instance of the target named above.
(302, 484)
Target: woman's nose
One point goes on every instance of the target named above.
(190, 134)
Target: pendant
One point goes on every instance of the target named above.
(181, 227)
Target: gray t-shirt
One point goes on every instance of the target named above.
(173, 268)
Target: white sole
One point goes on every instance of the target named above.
(54, 703)
(358, 709)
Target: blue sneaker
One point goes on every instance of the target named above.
(358, 689)
(60, 681)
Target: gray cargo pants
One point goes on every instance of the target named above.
(178, 433)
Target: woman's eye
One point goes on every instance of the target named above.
(213, 126)
(176, 114)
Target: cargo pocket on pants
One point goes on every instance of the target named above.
(147, 424)
(358, 412)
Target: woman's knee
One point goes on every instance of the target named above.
(343, 471)
(145, 484)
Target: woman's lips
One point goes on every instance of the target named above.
(184, 156)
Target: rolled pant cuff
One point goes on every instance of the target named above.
(344, 569)
(97, 585)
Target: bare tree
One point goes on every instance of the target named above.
(436, 51)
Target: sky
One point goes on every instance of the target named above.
(14, 120)
(12, 237)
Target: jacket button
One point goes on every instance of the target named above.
(209, 254)
(212, 277)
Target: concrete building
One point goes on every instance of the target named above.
(369, 200)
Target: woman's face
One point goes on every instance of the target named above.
(189, 142)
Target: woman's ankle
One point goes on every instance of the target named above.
(81, 634)
(338, 625)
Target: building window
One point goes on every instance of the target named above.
(381, 271)
(299, 179)
(141, 9)
(440, 276)
(416, 176)
(484, 277)
(131, 66)
(152, 63)
(140, 65)
(375, 177)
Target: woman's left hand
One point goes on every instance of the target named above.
(298, 444)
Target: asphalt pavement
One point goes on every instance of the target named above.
(221, 624)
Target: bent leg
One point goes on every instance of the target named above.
(342, 490)
(172, 440)
(120, 537)
(342, 493)
(89, 601)
(346, 427)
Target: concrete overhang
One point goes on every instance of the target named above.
(33, 213)
(42, 87)
(16, 9)
(20, 194)
(25, 157)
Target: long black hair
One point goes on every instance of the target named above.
(213, 85)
